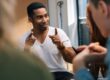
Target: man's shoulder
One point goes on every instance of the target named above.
(53, 28)
(25, 34)
(21, 40)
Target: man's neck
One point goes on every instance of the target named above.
(39, 32)
(40, 35)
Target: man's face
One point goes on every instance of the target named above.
(40, 19)
(100, 18)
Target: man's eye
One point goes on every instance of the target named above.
(39, 17)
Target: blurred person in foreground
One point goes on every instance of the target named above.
(14, 64)
(96, 36)
(49, 43)
(100, 11)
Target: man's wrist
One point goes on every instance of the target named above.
(61, 47)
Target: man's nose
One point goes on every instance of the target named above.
(44, 19)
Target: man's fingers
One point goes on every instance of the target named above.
(56, 32)
(50, 36)
(81, 48)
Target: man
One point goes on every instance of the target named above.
(15, 64)
(51, 44)
(100, 11)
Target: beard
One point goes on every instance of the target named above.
(43, 27)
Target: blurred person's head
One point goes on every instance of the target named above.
(95, 34)
(38, 16)
(100, 10)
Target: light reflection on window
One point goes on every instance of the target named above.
(82, 8)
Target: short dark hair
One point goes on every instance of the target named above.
(32, 6)
(95, 2)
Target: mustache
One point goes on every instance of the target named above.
(43, 24)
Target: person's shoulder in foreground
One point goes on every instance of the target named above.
(17, 65)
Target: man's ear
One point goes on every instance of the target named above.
(103, 8)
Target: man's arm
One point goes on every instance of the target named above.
(68, 53)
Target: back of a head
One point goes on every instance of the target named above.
(33, 6)
(16, 65)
